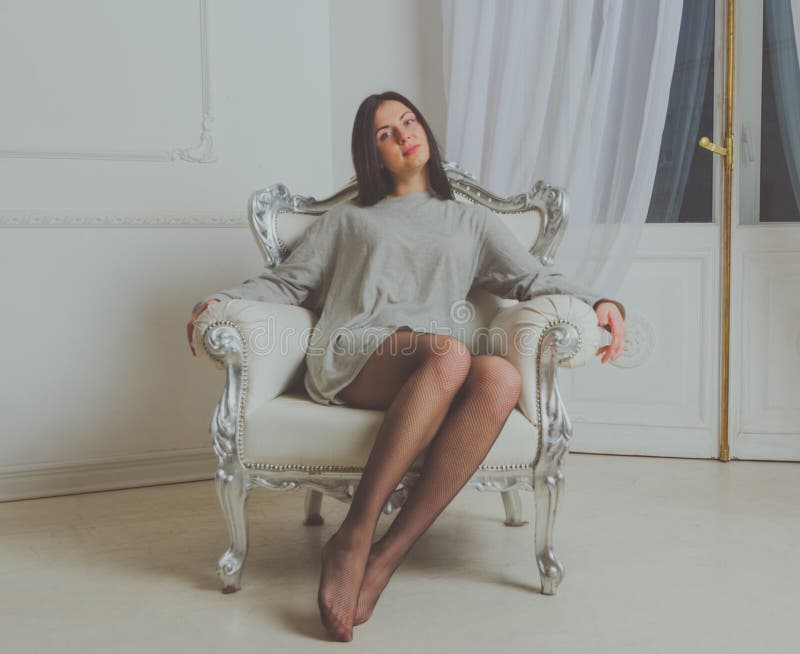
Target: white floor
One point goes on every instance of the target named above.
(662, 555)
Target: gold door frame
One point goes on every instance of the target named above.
(725, 151)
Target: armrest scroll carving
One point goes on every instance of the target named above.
(262, 348)
(224, 342)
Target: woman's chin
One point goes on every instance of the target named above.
(411, 164)
(417, 163)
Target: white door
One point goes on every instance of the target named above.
(764, 414)
(662, 397)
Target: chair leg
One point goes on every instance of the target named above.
(546, 489)
(231, 482)
(313, 506)
(513, 506)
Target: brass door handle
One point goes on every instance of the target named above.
(706, 143)
(726, 151)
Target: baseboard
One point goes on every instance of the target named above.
(49, 479)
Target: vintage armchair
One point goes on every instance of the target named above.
(265, 429)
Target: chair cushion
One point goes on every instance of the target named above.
(292, 432)
(525, 225)
(473, 318)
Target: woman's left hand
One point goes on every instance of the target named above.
(608, 314)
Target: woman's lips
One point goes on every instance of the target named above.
(411, 150)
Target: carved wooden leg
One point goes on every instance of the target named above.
(513, 506)
(547, 488)
(558, 341)
(232, 493)
(313, 506)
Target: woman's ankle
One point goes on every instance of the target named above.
(354, 536)
(387, 555)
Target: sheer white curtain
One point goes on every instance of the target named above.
(573, 92)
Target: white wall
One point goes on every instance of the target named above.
(97, 374)
(117, 210)
(384, 45)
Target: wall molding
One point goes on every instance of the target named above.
(648, 343)
(203, 152)
(640, 341)
(766, 361)
(111, 473)
(12, 218)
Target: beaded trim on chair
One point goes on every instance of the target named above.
(503, 211)
(315, 469)
(548, 326)
(243, 398)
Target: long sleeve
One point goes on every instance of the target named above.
(507, 269)
(298, 279)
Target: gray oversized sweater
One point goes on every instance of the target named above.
(406, 261)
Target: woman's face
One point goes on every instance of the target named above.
(401, 140)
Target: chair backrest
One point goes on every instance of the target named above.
(537, 217)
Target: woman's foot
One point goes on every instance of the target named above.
(377, 574)
(343, 563)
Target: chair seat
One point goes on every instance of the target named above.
(292, 432)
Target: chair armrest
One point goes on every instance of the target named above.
(275, 338)
(517, 333)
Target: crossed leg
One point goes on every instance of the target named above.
(476, 418)
(438, 394)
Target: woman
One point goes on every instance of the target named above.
(424, 251)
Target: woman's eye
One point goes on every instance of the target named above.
(382, 136)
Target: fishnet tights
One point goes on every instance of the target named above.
(463, 402)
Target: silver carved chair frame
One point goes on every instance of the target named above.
(563, 332)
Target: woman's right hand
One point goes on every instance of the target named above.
(190, 324)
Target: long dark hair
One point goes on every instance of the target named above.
(374, 182)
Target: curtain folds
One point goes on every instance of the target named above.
(782, 34)
(693, 62)
(573, 92)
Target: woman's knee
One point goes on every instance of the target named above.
(497, 381)
(448, 359)
(397, 358)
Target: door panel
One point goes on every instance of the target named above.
(765, 344)
(764, 412)
(661, 396)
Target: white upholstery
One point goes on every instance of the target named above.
(295, 431)
(524, 225)
(276, 336)
(284, 428)
(522, 324)
(291, 225)
(482, 307)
